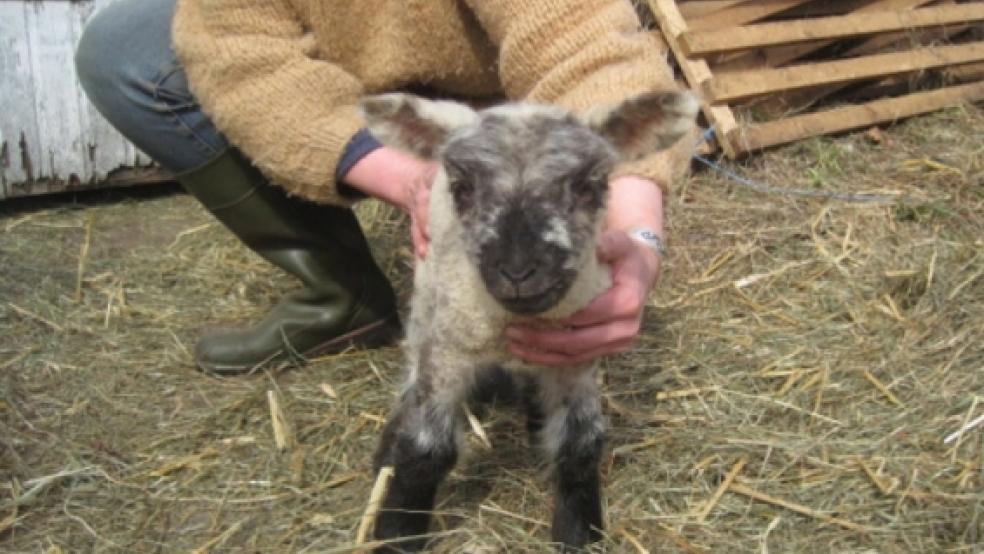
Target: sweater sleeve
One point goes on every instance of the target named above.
(249, 65)
(579, 54)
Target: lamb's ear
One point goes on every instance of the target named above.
(645, 123)
(411, 123)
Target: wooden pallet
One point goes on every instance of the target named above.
(768, 70)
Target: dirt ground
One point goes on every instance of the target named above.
(804, 360)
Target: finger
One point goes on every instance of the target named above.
(599, 310)
(618, 302)
(422, 211)
(574, 341)
(554, 359)
(613, 246)
(419, 239)
(422, 220)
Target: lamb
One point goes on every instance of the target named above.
(516, 209)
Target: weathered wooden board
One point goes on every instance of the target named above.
(858, 116)
(746, 84)
(740, 14)
(715, 40)
(51, 138)
(696, 71)
(698, 9)
(739, 52)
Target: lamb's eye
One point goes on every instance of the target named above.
(588, 191)
(463, 192)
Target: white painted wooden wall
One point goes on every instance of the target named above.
(51, 137)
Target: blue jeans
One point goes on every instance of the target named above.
(131, 74)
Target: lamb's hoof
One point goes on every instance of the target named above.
(395, 524)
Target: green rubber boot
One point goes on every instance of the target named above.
(346, 300)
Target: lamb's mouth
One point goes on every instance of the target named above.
(528, 305)
(532, 304)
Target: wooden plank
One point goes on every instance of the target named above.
(746, 12)
(854, 117)
(106, 149)
(120, 177)
(697, 9)
(51, 137)
(783, 55)
(51, 42)
(731, 39)
(825, 9)
(696, 72)
(746, 84)
(19, 124)
(965, 72)
(897, 85)
(786, 54)
(791, 102)
(799, 99)
(672, 24)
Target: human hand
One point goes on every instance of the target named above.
(399, 179)
(416, 205)
(609, 323)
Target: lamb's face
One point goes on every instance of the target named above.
(529, 182)
(529, 186)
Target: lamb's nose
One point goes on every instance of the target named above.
(517, 274)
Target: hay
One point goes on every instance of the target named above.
(836, 346)
(379, 489)
(283, 435)
(706, 508)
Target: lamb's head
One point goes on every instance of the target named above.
(529, 182)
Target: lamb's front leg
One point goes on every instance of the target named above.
(420, 443)
(572, 436)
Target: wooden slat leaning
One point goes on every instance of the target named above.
(672, 23)
(743, 37)
(741, 13)
(763, 135)
(773, 58)
(746, 84)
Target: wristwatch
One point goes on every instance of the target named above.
(650, 238)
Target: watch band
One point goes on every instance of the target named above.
(650, 238)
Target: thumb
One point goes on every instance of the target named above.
(613, 245)
(419, 238)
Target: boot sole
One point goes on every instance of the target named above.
(383, 332)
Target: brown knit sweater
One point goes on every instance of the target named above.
(281, 78)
